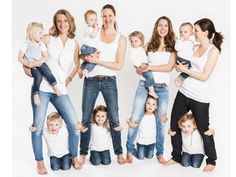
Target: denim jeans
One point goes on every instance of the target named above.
(144, 151)
(91, 88)
(138, 111)
(63, 163)
(149, 78)
(87, 50)
(183, 61)
(38, 73)
(88, 66)
(67, 112)
(182, 105)
(194, 160)
(103, 157)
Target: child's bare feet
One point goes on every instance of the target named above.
(85, 72)
(36, 99)
(76, 164)
(81, 160)
(170, 162)
(152, 92)
(209, 168)
(161, 159)
(32, 129)
(129, 158)
(171, 133)
(118, 128)
(131, 123)
(120, 159)
(80, 127)
(209, 132)
(41, 169)
(80, 73)
(178, 82)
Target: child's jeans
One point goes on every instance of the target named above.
(88, 66)
(185, 62)
(100, 157)
(149, 78)
(144, 151)
(38, 73)
(63, 163)
(194, 160)
(87, 50)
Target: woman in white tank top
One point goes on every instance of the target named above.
(63, 51)
(112, 47)
(192, 93)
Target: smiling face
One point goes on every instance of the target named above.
(100, 118)
(62, 24)
(54, 126)
(163, 28)
(150, 106)
(108, 17)
(187, 127)
(199, 34)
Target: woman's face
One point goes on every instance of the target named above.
(108, 18)
(199, 34)
(163, 28)
(62, 23)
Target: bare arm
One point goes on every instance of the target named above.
(22, 60)
(209, 67)
(120, 57)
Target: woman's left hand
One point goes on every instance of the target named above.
(181, 67)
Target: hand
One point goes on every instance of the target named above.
(33, 64)
(163, 118)
(144, 66)
(171, 133)
(181, 67)
(27, 71)
(68, 80)
(94, 57)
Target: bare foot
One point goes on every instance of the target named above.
(161, 159)
(209, 132)
(41, 168)
(76, 164)
(129, 158)
(152, 92)
(32, 129)
(118, 128)
(80, 127)
(178, 82)
(81, 160)
(170, 162)
(120, 159)
(80, 73)
(171, 133)
(209, 168)
(36, 99)
(131, 123)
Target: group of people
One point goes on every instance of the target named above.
(47, 58)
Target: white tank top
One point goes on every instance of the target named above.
(160, 58)
(60, 61)
(193, 88)
(107, 53)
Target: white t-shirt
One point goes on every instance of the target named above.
(192, 143)
(88, 40)
(184, 48)
(57, 144)
(100, 138)
(138, 56)
(147, 130)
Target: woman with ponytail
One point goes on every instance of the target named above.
(193, 93)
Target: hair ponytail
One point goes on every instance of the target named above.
(217, 40)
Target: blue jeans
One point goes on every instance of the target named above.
(149, 78)
(91, 88)
(138, 112)
(38, 73)
(63, 163)
(67, 112)
(87, 50)
(88, 66)
(144, 151)
(103, 157)
(194, 160)
(183, 61)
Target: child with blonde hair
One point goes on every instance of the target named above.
(33, 54)
(139, 59)
(89, 46)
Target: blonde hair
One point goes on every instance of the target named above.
(89, 12)
(54, 116)
(102, 109)
(186, 24)
(185, 118)
(30, 30)
(137, 34)
(54, 30)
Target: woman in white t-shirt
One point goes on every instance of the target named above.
(63, 52)
(193, 93)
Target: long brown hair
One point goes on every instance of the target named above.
(55, 32)
(169, 39)
(102, 109)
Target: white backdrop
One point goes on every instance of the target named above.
(132, 15)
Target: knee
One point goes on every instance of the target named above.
(106, 161)
(66, 166)
(196, 165)
(55, 167)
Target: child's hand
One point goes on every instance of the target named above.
(163, 118)
(32, 129)
(80, 127)
(209, 132)
(181, 67)
(33, 64)
(171, 133)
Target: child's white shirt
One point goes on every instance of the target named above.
(192, 143)
(138, 56)
(88, 40)
(184, 48)
(100, 138)
(147, 130)
(57, 144)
